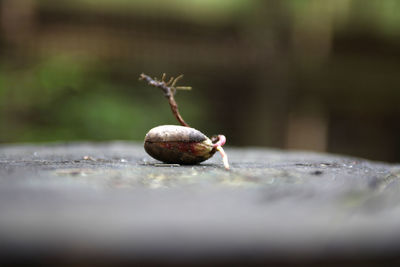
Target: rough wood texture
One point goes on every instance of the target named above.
(108, 203)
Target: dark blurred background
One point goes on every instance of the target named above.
(300, 74)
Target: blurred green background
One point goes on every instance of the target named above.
(299, 74)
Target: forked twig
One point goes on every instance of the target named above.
(169, 90)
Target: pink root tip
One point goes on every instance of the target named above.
(218, 145)
(221, 140)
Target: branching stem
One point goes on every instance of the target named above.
(169, 90)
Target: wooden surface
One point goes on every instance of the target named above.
(110, 203)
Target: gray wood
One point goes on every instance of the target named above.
(112, 203)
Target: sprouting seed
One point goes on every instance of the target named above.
(179, 144)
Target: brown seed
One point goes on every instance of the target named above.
(178, 144)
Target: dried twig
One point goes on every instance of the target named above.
(169, 90)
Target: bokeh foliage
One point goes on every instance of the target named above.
(70, 98)
(266, 73)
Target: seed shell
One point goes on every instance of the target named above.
(178, 144)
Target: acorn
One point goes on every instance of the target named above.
(180, 144)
